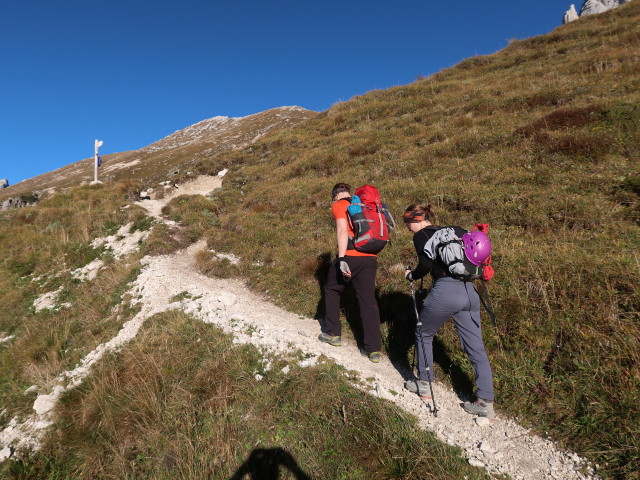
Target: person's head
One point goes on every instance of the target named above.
(417, 216)
(340, 190)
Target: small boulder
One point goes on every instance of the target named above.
(5, 453)
(483, 421)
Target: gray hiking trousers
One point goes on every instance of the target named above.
(453, 298)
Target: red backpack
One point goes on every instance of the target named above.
(370, 220)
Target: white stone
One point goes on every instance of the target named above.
(222, 173)
(309, 362)
(44, 404)
(487, 450)
(483, 421)
(47, 300)
(591, 7)
(228, 299)
(5, 453)
(476, 463)
(31, 389)
(286, 369)
(571, 14)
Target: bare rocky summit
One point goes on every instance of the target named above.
(591, 7)
(162, 158)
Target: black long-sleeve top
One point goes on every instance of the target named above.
(425, 264)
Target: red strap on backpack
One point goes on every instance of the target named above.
(483, 227)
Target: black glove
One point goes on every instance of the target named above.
(408, 275)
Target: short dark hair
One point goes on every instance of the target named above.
(339, 188)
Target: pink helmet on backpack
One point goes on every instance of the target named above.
(477, 246)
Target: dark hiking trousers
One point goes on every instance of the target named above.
(453, 298)
(363, 278)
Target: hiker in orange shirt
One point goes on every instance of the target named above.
(359, 269)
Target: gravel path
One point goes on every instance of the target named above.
(501, 447)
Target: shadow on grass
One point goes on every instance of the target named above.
(397, 312)
(265, 463)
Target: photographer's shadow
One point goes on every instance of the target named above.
(265, 464)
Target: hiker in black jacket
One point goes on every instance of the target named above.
(449, 297)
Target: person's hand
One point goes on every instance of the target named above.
(344, 267)
(407, 274)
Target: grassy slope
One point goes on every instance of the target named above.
(182, 402)
(542, 141)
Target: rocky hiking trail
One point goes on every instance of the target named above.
(501, 447)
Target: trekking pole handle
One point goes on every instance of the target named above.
(408, 277)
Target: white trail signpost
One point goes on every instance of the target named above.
(96, 161)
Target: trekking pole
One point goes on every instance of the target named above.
(424, 353)
(486, 303)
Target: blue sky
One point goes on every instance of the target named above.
(132, 72)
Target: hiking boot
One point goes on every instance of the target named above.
(373, 356)
(480, 407)
(421, 387)
(334, 340)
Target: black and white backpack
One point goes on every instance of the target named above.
(446, 246)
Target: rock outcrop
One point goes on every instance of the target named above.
(4, 183)
(591, 7)
(21, 201)
(570, 15)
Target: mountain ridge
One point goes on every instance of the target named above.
(161, 158)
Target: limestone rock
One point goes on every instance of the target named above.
(31, 389)
(46, 403)
(487, 450)
(570, 15)
(591, 7)
(483, 421)
(21, 201)
(5, 453)
(4, 183)
(227, 299)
